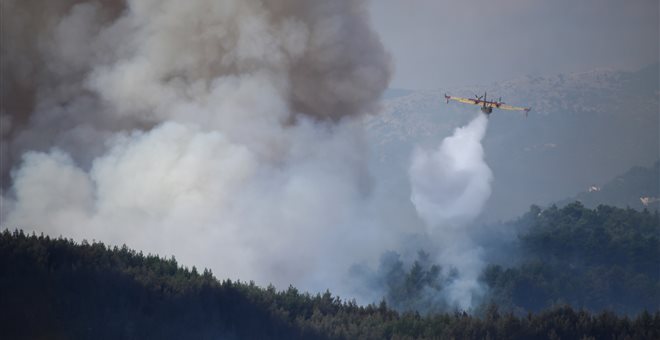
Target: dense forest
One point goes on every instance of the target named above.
(599, 261)
(596, 259)
(603, 258)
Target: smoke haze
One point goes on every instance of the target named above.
(228, 133)
(225, 132)
(77, 72)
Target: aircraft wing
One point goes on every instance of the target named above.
(515, 108)
(464, 100)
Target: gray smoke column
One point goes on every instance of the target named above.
(225, 132)
(76, 72)
(450, 186)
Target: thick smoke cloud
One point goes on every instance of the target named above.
(225, 132)
(450, 186)
(76, 72)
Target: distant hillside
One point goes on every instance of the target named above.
(57, 289)
(584, 128)
(603, 258)
(638, 188)
(598, 259)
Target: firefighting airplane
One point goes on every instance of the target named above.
(488, 105)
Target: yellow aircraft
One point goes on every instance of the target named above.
(488, 105)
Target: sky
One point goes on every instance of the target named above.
(443, 43)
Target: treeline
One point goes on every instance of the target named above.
(598, 259)
(625, 190)
(58, 289)
(595, 259)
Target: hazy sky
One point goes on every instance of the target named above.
(437, 43)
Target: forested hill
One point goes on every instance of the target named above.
(601, 259)
(58, 289)
(638, 188)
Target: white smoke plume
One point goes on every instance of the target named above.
(450, 186)
(226, 132)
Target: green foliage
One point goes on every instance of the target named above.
(418, 288)
(54, 288)
(57, 289)
(605, 258)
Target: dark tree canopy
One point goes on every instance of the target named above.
(599, 259)
(58, 289)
